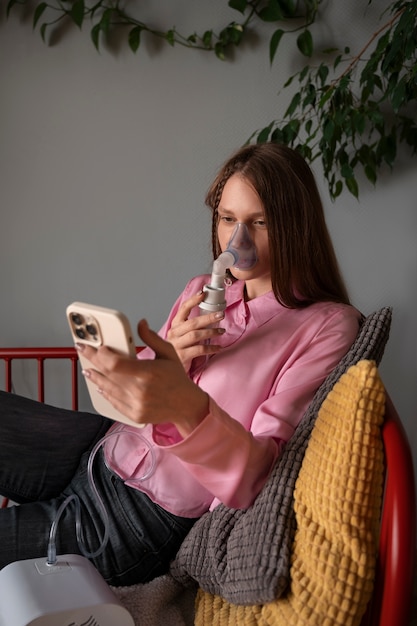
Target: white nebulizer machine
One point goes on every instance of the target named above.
(69, 593)
(241, 254)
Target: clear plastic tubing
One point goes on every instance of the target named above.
(52, 557)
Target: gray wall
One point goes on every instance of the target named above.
(105, 160)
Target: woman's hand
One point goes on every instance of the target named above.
(194, 337)
(148, 391)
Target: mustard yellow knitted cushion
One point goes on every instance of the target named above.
(337, 502)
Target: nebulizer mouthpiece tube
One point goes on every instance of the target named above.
(241, 254)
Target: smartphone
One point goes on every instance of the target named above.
(99, 326)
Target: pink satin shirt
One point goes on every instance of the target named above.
(260, 384)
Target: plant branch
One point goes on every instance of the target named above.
(346, 124)
(376, 34)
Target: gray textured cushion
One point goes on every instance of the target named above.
(244, 555)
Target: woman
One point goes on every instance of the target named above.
(219, 401)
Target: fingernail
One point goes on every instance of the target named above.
(219, 315)
(86, 373)
(79, 346)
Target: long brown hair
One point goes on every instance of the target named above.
(304, 268)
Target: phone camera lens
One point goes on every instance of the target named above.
(91, 329)
(77, 319)
(80, 333)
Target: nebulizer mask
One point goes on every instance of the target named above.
(241, 254)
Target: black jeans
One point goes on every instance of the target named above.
(44, 453)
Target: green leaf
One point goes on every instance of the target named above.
(238, 5)
(289, 81)
(376, 118)
(219, 51)
(328, 92)
(95, 35)
(208, 38)
(77, 12)
(305, 151)
(323, 73)
(330, 50)
(296, 99)
(405, 24)
(328, 130)
(105, 21)
(277, 136)
(378, 82)
(346, 171)
(288, 7)
(342, 157)
(134, 38)
(382, 44)
(338, 189)
(310, 98)
(398, 97)
(345, 82)
(358, 121)
(264, 134)
(235, 32)
(337, 60)
(170, 37)
(42, 31)
(38, 12)
(305, 43)
(367, 156)
(290, 131)
(389, 149)
(274, 43)
(324, 158)
(352, 185)
(272, 12)
(392, 59)
(393, 81)
(370, 173)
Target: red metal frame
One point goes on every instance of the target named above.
(8, 355)
(393, 592)
(394, 581)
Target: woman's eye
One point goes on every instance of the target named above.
(227, 219)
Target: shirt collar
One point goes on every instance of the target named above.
(262, 308)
